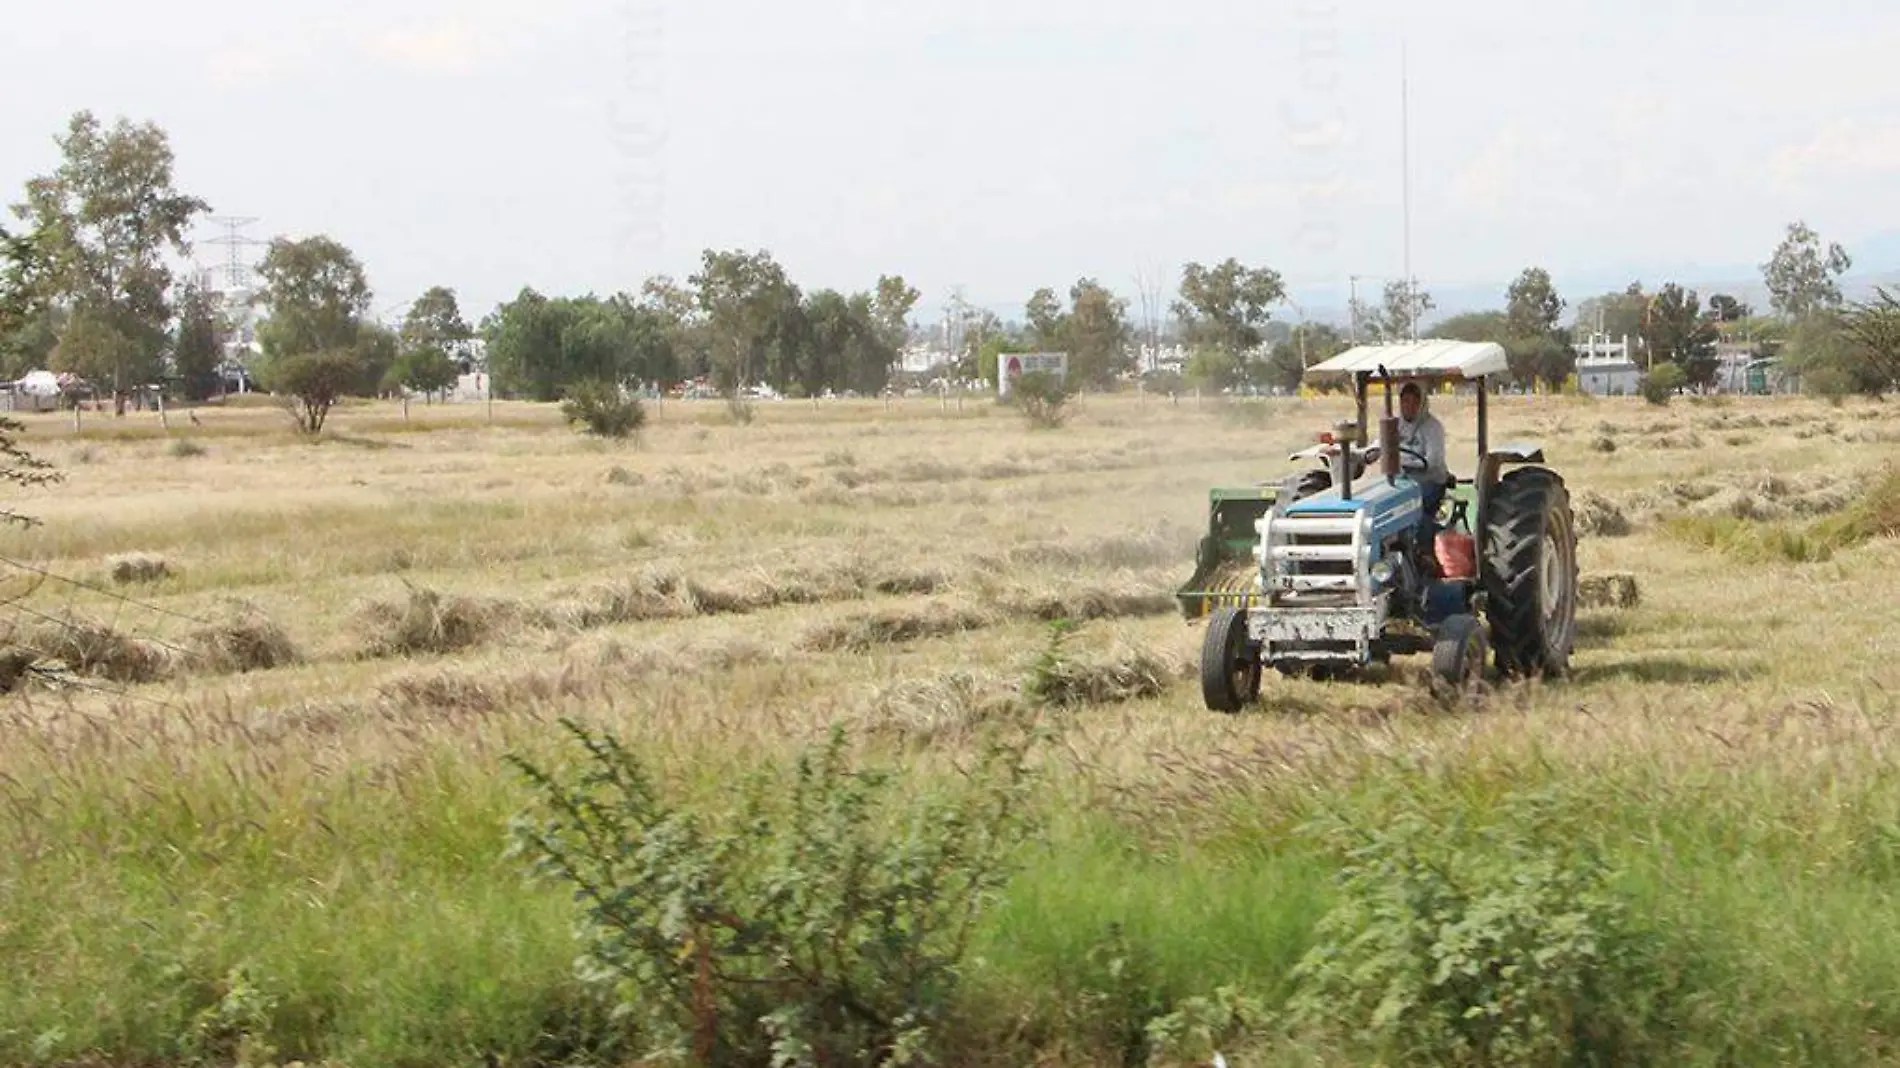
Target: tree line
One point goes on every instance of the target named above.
(86, 287)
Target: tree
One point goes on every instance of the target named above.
(1801, 276)
(541, 347)
(1726, 309)
(749, 303)
(1873, 329)
(435, 322)
(1306, 345)
(1227, 306)
(1538, 349)
(316, 349)
(1546, 358)
(198, 345)
(19, 294)
(1095, 335)
(1474, 326)
(892, 305)
(105, 219)
(1618, 314)
(27, 333)
(425, 369)
(1044, 312)
(1676, 331)
(1827, 360)
(1532, 306)
(1403, 306)
(688, 345)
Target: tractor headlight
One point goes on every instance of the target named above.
(1382, 572)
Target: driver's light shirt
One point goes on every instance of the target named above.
(1426, 436)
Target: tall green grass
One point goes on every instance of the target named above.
(167, 902)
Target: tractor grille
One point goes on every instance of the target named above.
(1314, 560)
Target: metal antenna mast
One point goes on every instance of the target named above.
(236, 271)
(1405, 183)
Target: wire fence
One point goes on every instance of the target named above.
(69, 633)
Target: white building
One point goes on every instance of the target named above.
(1606, 367)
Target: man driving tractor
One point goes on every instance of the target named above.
(1422, 435)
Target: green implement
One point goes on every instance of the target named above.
(1226, 569)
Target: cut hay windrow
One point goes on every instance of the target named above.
(866, 631)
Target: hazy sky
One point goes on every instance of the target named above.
(585, 144)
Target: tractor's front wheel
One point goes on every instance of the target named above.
(1530, 573)
(1230, 664)
(1457, 656)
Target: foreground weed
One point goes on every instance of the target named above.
(817, 921)
(1501, 944)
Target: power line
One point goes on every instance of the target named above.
(102, 591)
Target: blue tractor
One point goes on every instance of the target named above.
(1338, 567)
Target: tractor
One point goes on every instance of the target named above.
(1336, 567)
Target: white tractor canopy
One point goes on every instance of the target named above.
(1416, 359)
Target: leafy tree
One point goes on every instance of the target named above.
(749, 303)
(688, 345)
(105, 220)
(1474, 326)
(1095, 335)
(27, 318)
(893, 304)
(849, 344)
(425, 369)
(1802, 276)
(1829, 363)
(1287, 364)
(316, 348)
(1726, 309)
(1532, 306)
(1617, 314)
(1546, 358)
(1227, 306)
(435, 322)
(1539, 350)
(198, 346)
(1046, 325)
(1676, 331)
(525, 356)
(1403, 305)
(539, 347)
(1873, 329)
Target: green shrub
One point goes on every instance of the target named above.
(604, 410)
(1661, 383)
(822, 920)
(1045, 400)
(1501, 944)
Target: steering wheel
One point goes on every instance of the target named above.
(1408, 451)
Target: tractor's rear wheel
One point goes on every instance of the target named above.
(1230, 663)
(1530, 573)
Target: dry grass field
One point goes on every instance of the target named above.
(259, 812)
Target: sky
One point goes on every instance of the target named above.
(993, 146)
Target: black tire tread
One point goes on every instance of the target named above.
(1517, 513)
(1226, 629)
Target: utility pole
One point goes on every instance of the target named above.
(1352, 309)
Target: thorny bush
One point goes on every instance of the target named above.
(817, 921)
